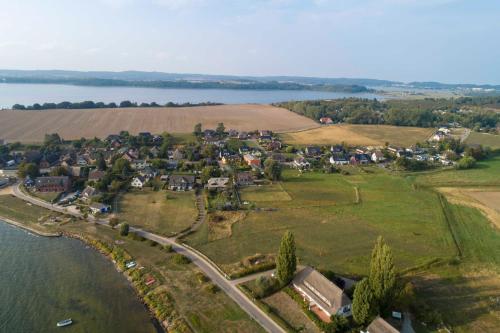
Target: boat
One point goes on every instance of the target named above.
(65, 322)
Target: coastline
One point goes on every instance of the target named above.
(155, 321)
(30, 229)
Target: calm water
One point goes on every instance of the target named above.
(44, 280)
(11, 94)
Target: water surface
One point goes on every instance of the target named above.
(29, 94)
(44, 280)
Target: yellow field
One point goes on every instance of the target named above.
(363, 135)
(31, 126)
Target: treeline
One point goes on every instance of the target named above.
(184, 84)
(469, 112)
(102, 105)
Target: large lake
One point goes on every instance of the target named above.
(44, 280)
(26, 94)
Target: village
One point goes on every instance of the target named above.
(96, 176)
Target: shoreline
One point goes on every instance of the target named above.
(30, 229)
(155, 321)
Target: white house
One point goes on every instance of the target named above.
(322, 293)
(138, 182)
(378, 156)
(339, 159)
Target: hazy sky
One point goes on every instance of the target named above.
(442, 40)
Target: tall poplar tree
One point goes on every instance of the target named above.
(382, 276)
(362, 304)
(286, 262)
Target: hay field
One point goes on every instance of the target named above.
(363, 135)
(31, 126)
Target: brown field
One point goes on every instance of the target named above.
(365, 135)
(31, 126)
(486, 200)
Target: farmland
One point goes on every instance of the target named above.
(31, 126)
(484, 139)
(160, 211)
(365, 135)
(331, 229)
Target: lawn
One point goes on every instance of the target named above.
(18, 210)
(264, 193)
(159, 211)
(484, 139)
(364, 135)
(333, 231)
(486, 172)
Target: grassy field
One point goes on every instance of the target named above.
(332, 230)
(486, 173)
(31, 126)
(159, 211)
(265, 193)
(363, 135)
(16, 209)
(484, 139)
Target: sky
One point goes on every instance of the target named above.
(454, 41)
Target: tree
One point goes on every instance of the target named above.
(362, 304)
(209, 172)
(466, 162)
(59, 171)
(286, 262)
(124, 229)
(101, 163)
(197, 130)
(28, 169)
(272, 169)
(220, 130)
(382, 276)
(121, 167)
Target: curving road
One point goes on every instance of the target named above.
(208, 268)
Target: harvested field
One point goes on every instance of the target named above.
(31, 126)
(363, 135)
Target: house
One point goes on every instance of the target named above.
(88, 193)
(138, 182)
(359, 159)
(251, 160)
(232, 133)
(439, 136)
(219, 183)
(377, 156)
(321, 293)
(139, 164)
(379, 325)
(243, 135)
(148, 172)
(265, 135)
(171, 164)
(99, 208)
(244, 178)
(273, 145)
(53, 184)
(231, 159)
(313, 151)
(326, 120)
(181, 183)
(337, 149)
(339, 159)
(177, 155)
(96, 175)
(301, 163)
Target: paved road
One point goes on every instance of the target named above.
(212, 272)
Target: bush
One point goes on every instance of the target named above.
(124, 229)
(265, 286)
(180, 259)
(466, 162)
(168, 248)
(152, 243)
(211, 288)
